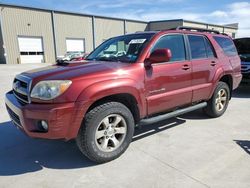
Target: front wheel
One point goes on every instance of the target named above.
(106, 132)
(218, 104)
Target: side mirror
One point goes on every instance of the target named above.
(159, 56)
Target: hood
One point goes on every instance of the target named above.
(73, 70)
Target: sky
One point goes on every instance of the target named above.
(210, 11)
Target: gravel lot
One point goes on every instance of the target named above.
(188, 151)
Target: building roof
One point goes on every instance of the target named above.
(68, 12)
(230, 26)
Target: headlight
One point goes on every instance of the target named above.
(47, 90)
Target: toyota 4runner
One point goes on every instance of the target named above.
(126, 81)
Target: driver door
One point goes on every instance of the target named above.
(168, 84)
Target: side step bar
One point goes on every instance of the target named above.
(172, 114)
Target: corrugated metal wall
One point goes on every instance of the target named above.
(24, 22)
(106, 28)
(132, 27)
(161, 25)
(231, 32)
(172, 24)
(19, 21)
(198, 25)
(72, 26)
(2, 58)
(29, 22)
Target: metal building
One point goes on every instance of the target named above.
(230, 29)
(33, 35)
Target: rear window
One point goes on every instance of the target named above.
(227, 45)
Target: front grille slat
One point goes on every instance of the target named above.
(23, 99)
(14, 116)
(21, 89)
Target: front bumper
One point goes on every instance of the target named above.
(64, 120)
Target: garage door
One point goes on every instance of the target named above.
(75, 45)
(31, 50)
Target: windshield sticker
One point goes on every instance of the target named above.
(137, 41)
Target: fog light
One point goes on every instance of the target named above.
(44, 125)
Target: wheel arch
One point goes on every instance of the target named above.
(228, 79)
(126, 99)
(222, 76)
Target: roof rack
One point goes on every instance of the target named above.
(225, 34)
(196, 29)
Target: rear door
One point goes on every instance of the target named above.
(204, 64)
(168, 84)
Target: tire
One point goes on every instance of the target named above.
(221, 95)
(100, 133)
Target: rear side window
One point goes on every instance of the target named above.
(175, 43)
(227, 45)
(197, 47)
(210, 50)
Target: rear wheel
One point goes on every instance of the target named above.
(106, 132)
(218, 104)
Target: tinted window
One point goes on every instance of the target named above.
(126, 48)
(243, 48)
(197, 46)
(227, 45)
(175, 43)
(210, 51)
(243, 45)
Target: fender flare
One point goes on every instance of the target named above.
(218, 75)
(106, 88)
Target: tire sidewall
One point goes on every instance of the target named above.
(95, 121)
(221, 85)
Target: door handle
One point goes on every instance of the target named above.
(185, 67)
(213, 63)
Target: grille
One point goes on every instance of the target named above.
(21, 89)
(14, 116)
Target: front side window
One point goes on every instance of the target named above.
(125, 48)
(227, 45)
(197, 47)
(175, 43)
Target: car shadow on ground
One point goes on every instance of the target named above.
(243, 91)
(20, 154)
(195, 115)
(244, 144)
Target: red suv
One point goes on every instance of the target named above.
(151, 77)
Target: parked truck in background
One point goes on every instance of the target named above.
(243, 47)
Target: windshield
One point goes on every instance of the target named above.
(243, 48)
(125, 48)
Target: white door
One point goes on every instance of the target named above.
(75, 45)
(31, 49)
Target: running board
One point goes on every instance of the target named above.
(173, 114)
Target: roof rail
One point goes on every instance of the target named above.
(196, 29)
(225, 34)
